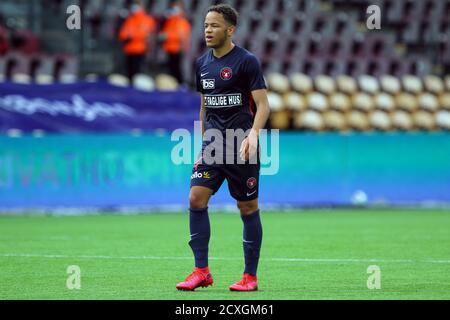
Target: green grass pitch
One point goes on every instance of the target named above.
(306, 254)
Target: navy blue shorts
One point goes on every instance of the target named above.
(243, 179)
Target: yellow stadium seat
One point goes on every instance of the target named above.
(390, 84)
(380, 120)
(412, 84)
(443, 119)
(433, 84)
(428, 102)
(402, 120)
(368, 84)
(317, 101)
(294, 101)
(424, 120)
(334, 120)
(363, 102)
(165, 82)
(384, 101)
(276, 102)
(325, 84)
(406, 101)
(346, 84)
(358, 120)
(444, 100)
(278, 82)
(340, 102)
(301, 83)
(118, 80)
(310, 120)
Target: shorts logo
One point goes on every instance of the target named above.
(226, 73)
(201, 175)
(251, 183)
(209, 84)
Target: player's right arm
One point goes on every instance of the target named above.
(202, 113)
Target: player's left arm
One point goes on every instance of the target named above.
(250, 144)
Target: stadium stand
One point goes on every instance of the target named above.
(325, 70)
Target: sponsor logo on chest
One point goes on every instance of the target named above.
(223, 100)
(208, 84)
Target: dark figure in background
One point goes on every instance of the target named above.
(135, 32)
(4, 45)
(175, 33)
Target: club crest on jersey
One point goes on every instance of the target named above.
(226, 73)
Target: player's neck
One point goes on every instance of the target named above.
(224, 50)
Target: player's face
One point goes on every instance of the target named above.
(217, 30)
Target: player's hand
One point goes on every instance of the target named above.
(249, 146)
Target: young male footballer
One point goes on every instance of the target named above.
(233, 97)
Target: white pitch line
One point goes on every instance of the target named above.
(102, 257)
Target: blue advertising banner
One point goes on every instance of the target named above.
(93, 107)
(111, 171)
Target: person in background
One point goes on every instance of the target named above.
(175, 34)
(135, 32)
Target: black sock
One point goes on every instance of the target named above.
(200, 234)
(252, 241)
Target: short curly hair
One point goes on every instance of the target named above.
(228, 12)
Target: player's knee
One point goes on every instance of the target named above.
(197, 201)
(247, 208)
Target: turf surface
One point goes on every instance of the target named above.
(311, 254)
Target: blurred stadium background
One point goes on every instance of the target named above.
(364, 114)
(364, 119)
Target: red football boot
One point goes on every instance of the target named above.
(198, 278)
(248, 283)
